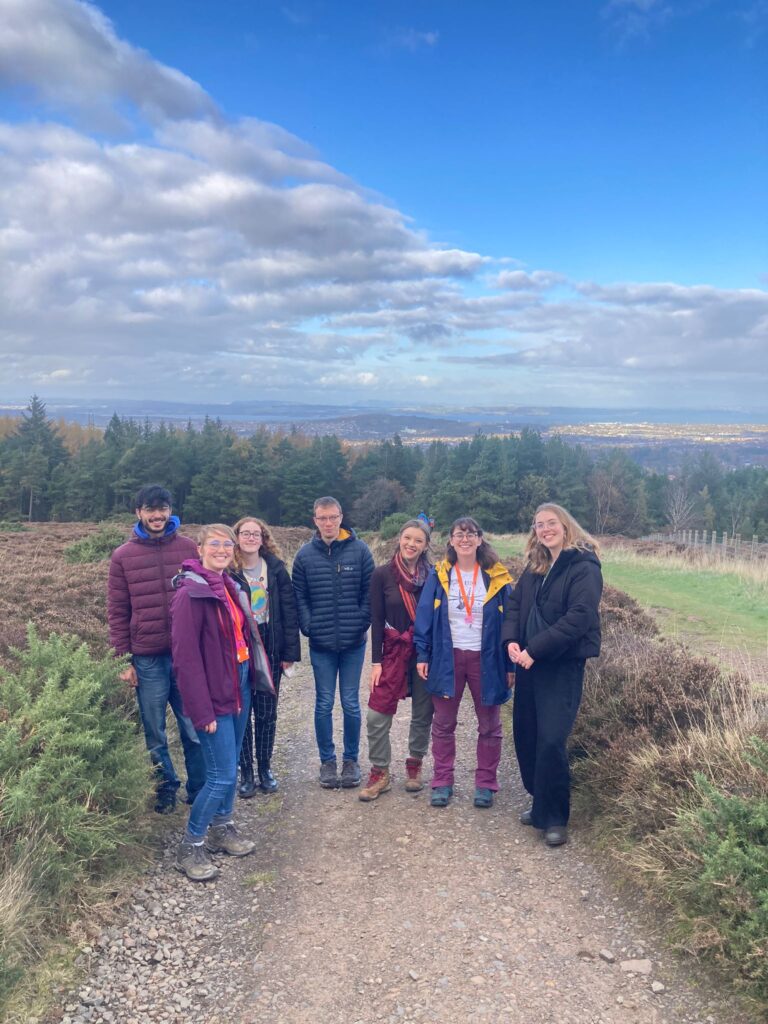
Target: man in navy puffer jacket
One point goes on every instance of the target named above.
(331, 578)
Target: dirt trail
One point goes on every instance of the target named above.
(391, 912)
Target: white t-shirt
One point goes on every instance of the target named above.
(464, 635)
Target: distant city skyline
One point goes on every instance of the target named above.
(436, 204)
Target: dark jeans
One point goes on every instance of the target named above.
(347, 666)
(156, 690)
(547, 698)
(259, 738)
(221, 750)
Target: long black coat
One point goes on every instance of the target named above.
(568, 601)
(282, 637)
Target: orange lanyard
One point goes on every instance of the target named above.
(468, 604)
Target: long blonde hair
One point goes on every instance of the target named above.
(538, 558)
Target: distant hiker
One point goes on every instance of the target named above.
(551, 627)
(261, 572)
(138, 600)
(219, 660)
(395, 591)
(331, 580)
(458, 640)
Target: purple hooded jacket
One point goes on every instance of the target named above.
(203, 644)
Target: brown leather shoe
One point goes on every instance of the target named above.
(378, 783)
(413, 782)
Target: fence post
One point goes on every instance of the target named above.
(753, 551)
(724, 548)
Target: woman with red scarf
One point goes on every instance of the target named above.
(395, 591)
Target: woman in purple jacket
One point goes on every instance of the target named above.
(218, 659)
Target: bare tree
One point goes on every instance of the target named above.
(680, 507)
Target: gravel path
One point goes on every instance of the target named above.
(393, 912)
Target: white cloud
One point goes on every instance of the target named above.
(193, 253)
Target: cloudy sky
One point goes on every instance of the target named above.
(427, 202)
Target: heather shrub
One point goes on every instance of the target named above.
(11, 526)
(671, 763)
(96, 546)
(74, 790)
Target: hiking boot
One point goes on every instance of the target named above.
(329, 778)
(247, 787)
(378, 783)
(267, 781)
(441, 796)
(483, 797)
(193, 860)
(165, 803)
(226, 839)
(350, 774)
(413, 782)
(556, 835)
(526, 818)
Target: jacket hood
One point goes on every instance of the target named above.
(170, 528)
(577, 555)
(192, 570)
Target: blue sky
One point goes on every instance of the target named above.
(433, 202)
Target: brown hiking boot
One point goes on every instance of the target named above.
(226, 839)
(194, 861)
(413, 782)
(378, 783)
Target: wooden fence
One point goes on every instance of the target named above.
(710, 543)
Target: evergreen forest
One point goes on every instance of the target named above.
(67, 472)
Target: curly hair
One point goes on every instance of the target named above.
(537, 556)
(268, 542)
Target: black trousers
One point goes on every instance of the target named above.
(260, 729)
(547, 698)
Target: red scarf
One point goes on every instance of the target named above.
(410, 582)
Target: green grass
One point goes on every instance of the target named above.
(696, 604)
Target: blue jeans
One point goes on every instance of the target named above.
(156, 690)
(221, 750)
(347, 665)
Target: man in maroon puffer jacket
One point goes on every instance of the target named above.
(138, 600)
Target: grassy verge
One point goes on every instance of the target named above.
(723, 606)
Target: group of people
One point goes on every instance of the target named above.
(211, 628)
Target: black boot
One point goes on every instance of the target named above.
(247, 787)
(267, 781)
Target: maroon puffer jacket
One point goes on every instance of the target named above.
(139, 591)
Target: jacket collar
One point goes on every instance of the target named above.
(495, 578)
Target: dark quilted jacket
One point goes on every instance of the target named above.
(331, 586)
(139, 590)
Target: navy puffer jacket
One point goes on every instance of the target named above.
(331, 584)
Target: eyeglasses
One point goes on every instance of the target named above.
(327, 519)
(155, 508)
(250, 534)
(464, 535)
(549, 525)
(228, 545)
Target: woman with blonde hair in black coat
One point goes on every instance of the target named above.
(552, 625)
